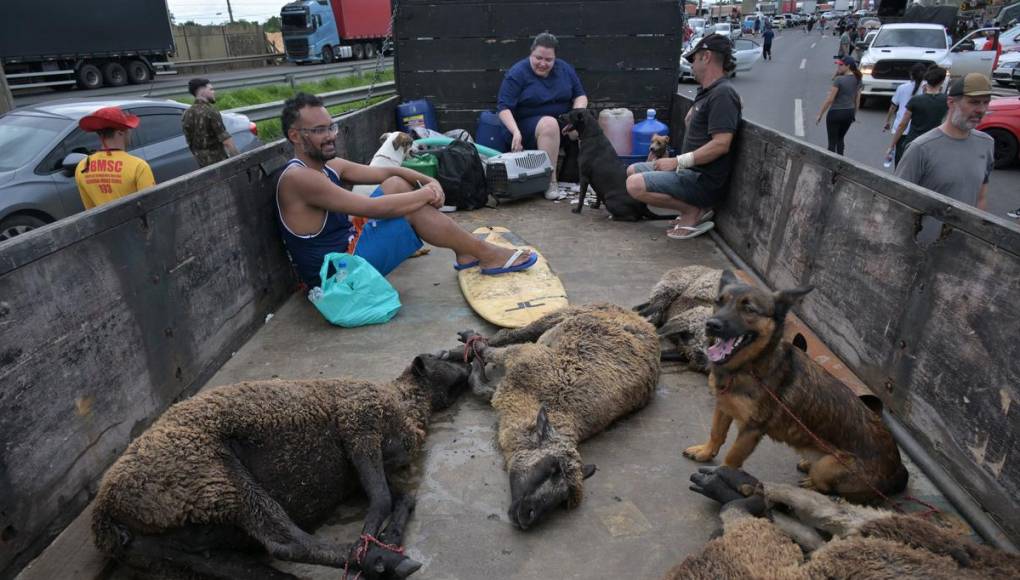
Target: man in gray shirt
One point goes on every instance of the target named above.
(954, 159)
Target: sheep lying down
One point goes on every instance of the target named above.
(238, 473)
(678, 306)
(865, 542)
(554, 383)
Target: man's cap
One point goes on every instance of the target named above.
(714, 42)
(972, 85)
(108, 118)
(847, 61)
(195, 84)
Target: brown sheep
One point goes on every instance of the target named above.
(866, 542)
(678, 307)
(565, 378)
(239, 471)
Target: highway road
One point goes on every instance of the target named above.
(167, 85)
(786, 93)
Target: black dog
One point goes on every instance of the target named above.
(599, 166)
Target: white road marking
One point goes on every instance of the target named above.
(803, 63)
(798, 118)
(813, 44)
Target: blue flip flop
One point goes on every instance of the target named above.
(509, 266)
(459, 267)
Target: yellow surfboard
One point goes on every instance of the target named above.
(516, 299)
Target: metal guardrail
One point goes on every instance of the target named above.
(228, 60)
(267, 111)
(291, 76)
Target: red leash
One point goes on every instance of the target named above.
(471, 347)
(367, 540)
(832, 451)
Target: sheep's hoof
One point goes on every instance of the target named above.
(803, 466)
(406, 568)
(464, 335)
(807, 483)
(700, 453)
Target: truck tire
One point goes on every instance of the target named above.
(370, 50)
(114, 74)
(1005, 147)
(18, 224)
(137, 72)
(89, 77)
(359, 51)
(327, 55)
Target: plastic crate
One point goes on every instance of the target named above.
(517, 175)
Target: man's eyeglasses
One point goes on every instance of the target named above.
(322, 130)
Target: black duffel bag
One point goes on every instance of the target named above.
(461, 174)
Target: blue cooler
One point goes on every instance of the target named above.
(643, 132)
(417, 113)
(490, 131)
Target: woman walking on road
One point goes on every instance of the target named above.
(841, 103)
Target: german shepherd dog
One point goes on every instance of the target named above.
(858, 458)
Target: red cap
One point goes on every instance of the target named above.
(108, 118)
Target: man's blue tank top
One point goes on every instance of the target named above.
(307, 251)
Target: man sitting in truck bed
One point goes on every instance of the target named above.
(314, 204)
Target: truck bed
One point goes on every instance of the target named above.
(637, 519)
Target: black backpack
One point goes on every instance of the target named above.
(462, 176)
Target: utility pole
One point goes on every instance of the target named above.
(6, 100)
(230, 12)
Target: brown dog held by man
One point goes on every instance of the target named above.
(658, 148)
(848, 451)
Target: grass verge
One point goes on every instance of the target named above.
(234, 98)
(270, 130)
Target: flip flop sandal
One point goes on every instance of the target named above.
(708, 215)
(459, 267)
(509, 266)
(688, 232)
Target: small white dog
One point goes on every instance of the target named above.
(394, 149)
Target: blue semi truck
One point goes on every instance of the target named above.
(324, 31)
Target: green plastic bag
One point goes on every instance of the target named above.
(355, 295)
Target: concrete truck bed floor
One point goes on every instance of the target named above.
(637, 519)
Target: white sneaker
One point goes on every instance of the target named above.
(553, 192)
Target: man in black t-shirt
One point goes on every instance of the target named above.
(696, 180)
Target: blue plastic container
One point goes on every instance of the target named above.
(490, 131)
(643, 132)
(417, 113)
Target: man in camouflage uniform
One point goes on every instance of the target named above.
(208, 139)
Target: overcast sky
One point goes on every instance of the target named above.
(215, 11)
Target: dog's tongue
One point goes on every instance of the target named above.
(721, 349)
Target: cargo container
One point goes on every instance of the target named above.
(325, 31)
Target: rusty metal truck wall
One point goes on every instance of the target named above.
(455, 52)
(928, 320)
(108, 317)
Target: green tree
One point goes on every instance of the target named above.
(272, 24)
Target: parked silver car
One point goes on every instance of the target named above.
(745, 51)
(40, 146)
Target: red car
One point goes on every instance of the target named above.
(1003, 123)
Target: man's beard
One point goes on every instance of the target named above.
(316, 153)
(961, 122)
(211, 100)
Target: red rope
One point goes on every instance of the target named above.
(367, 540)
(833, 451)
(471, 347)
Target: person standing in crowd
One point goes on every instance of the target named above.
(903, 93)
(766, 48)
(955, 159)
(844, 44)
(208, 140)
(757, 26)
(110, 173)
(842, 103)
(810, 24)
(535, 91)
(821, 25)
(695, 181)
(923, 112)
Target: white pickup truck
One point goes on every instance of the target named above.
(897, 47)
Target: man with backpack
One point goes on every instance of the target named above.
(316, 209)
